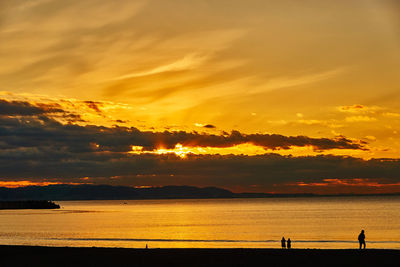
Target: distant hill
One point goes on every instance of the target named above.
(30, 204)
(108, 192)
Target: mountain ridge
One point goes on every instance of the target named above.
(109, 192)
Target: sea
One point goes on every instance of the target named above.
(317, 222)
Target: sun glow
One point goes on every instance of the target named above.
(179, 150)
(182, 151)
(247, 149)
(137, 148)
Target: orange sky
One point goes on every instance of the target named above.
(320, 69)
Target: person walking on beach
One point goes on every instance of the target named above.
(283, 242)
(361, 239)
(289, 243)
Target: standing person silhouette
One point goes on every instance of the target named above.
(289, 243)
(283, 242)
(361, 239)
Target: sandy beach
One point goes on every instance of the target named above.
(68, 256)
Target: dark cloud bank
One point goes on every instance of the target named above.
(33, 146)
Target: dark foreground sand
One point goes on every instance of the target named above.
(58, 256)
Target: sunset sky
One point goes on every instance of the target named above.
(253, 96)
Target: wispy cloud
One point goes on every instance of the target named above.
(358, 108)
(188, 62)
(360, 119)
(292, 81)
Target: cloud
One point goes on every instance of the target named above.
(48, 132)
(284, 82)
(268, 172)
(370, 138)
(362, 109)
(391, 114)
(188, 62)
(18, 108)
(353, 108)
(36, 148)
(347, 186)
(93, 105)
(360, 119)
(22, 108)
(209, 126)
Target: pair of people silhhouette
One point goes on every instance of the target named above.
(361, 239)
(285, 243)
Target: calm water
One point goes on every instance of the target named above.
(309, 222)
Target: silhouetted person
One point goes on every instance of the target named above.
(361, 239)
(283, 242)
(289, 243)
(147, 246)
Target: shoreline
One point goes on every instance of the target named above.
(13, 255)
